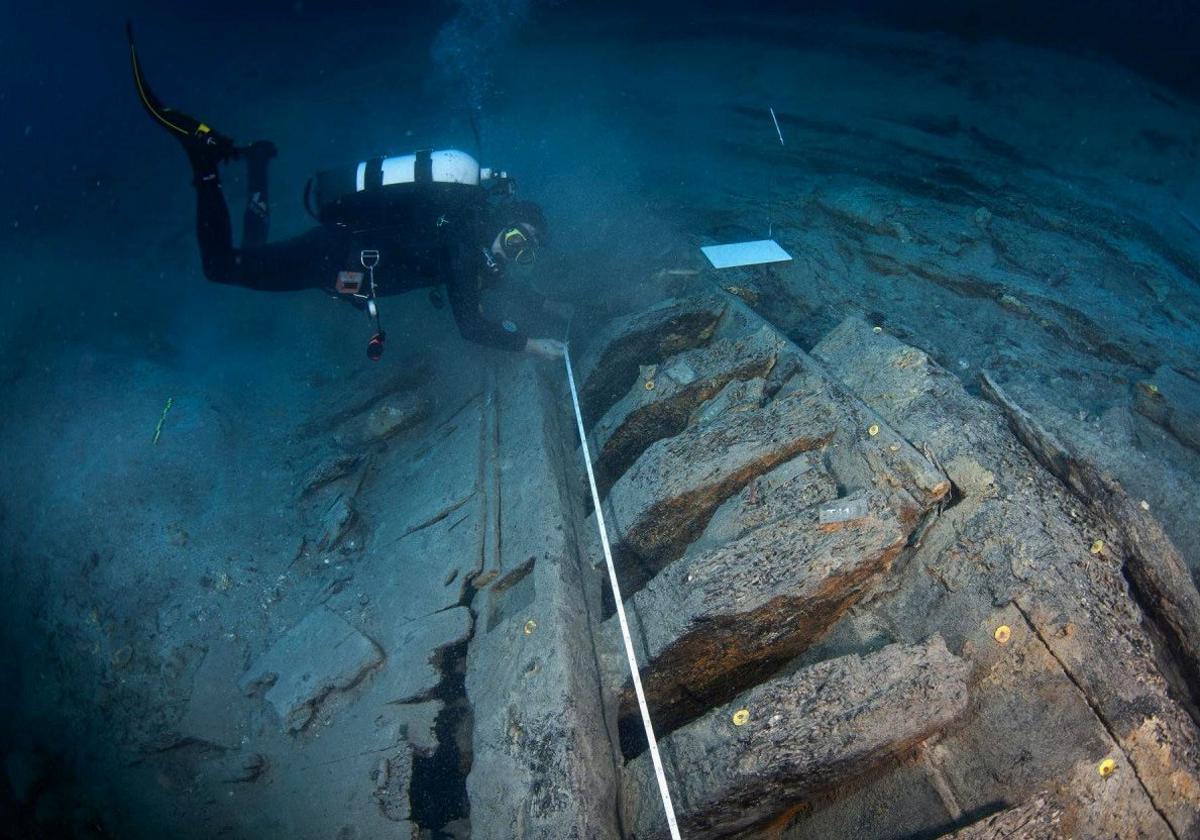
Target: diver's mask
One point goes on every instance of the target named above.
(518, 246)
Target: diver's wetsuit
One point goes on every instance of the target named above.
(429, 234)
(438, 233)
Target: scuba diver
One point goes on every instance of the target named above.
(388, 225)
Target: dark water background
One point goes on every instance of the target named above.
(68, 109)
(72, 133)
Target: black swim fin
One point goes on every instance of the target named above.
(202, 144)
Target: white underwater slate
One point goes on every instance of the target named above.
(745, 253)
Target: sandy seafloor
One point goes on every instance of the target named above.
(1003, 207)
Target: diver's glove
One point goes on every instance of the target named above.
(547, 348)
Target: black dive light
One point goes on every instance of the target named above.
(375, 346)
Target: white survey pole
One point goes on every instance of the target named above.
(616, 593)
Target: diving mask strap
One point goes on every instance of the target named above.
(517, 245)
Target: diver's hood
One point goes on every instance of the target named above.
(350, 195)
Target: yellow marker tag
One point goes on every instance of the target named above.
(530, 626)
(1097, 547)
(874, 430)
(1106, 768)
(649, 384)
(1003, 634)
(740, 717)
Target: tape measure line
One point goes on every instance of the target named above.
(616, 592)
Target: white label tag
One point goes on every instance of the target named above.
(349, 282)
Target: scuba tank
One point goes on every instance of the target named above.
(370, 195)
(362, 193)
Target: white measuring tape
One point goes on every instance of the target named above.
(616, 592)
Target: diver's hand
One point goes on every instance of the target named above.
(547, 348)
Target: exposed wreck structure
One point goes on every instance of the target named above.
(1002, 631)
(865, 603)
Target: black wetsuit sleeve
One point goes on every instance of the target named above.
(464, 285)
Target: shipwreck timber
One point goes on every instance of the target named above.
(864, 602)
